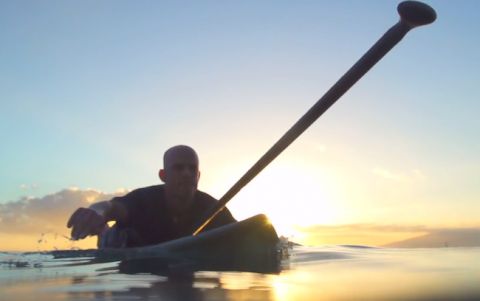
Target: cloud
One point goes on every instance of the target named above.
(27, 187)
(46, 214)
(412, 175)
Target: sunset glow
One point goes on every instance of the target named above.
(90, 100)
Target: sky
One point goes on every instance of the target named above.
(93, 92)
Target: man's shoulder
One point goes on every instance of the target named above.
(205, 196)
(149, 189)
(148, 192)
(207, 202)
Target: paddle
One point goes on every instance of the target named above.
(412, 14)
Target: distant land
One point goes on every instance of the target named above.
(441, 238)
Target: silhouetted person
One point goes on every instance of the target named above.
(153, 214)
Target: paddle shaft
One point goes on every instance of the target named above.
(408, 21)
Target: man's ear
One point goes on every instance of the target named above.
(198, 175)
(161, 175)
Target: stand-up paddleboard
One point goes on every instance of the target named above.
(248, 245)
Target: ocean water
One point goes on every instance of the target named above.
(308, 273)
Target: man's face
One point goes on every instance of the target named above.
(181, 174)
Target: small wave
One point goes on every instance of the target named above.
(21, 260)
(358, 247)
(305, 255)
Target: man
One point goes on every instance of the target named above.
(154, 214)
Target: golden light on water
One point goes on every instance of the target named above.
(430, 274)
(330, 273)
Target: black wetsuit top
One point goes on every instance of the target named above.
(151, 223)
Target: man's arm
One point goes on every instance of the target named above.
(92, 220)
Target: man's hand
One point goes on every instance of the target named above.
(84, 222)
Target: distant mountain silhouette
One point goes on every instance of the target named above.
(469, 237)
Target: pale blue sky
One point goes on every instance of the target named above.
(93, 92)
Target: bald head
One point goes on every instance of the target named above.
(180, 174)
(178, 151)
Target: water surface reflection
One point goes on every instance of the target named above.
(328, 273)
